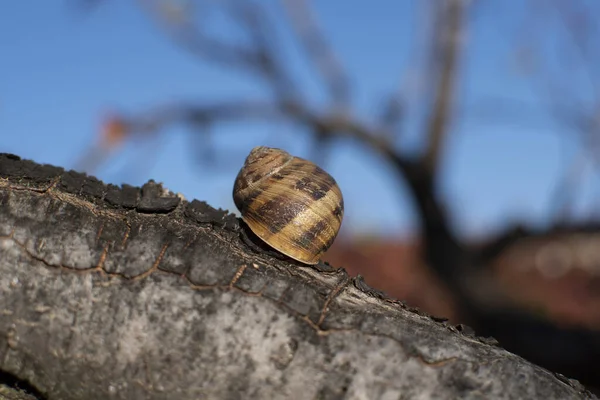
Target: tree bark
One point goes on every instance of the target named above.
(133, 293)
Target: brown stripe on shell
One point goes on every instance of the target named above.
(295, 242)
(244, 199)
(283, 173)
(310, 237)
(316, 182)
(260, 163)
(311, 233)
(322, 219)
(275, 212)
(331, 206)
(338, 212)
(327, 244)
(330, 209)
(278, 205)
(334, 218)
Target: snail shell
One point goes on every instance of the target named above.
(289, 202)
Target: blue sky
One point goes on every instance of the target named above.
(61, 71)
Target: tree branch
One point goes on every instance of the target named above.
(318, 50)
(260, 58)
(133, 293)
(446, 48)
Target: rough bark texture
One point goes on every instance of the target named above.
(124, 293)
(13, 393)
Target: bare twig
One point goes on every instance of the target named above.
(189, 37)
(564, 192)
(318, 50)
(446, 48)
(564, 101)
(411, 84)
(333, 124)
(577, 25)
(254, 18)
(260, 58)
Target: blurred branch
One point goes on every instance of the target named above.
(564, 192)
(446, 45)
(577, 25)
(333, 124)
(318, 50)
(263, 32)
(183, 31)
(396, 106)
(568, 104)
(260, 58)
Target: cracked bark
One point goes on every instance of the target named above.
(133, 293)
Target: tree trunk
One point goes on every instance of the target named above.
(124, 293)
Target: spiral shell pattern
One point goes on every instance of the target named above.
(289, 202)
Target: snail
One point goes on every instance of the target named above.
(290, 203)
